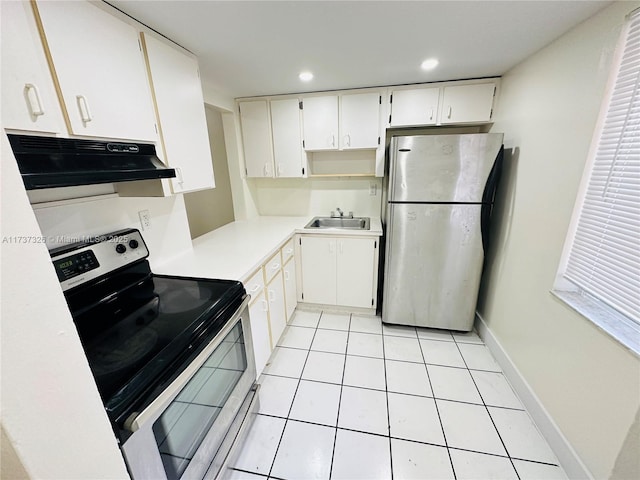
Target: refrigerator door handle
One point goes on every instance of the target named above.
(488, 196)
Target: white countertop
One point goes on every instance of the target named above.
(235, 250)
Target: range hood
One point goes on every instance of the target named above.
(48, 162)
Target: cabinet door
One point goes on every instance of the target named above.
(318, 257)
(290, 294)
(29, 100)
(256, 138)
(277, 312)
(287, 137)
(467, 103)
(356, 261)
(414, 107)
(259, 315)
(100, 67)
(180, 105)
(360, 120)
(320, 123)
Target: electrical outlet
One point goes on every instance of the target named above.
(145, 219)
(373, 189)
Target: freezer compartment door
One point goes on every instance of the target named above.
(433, 265)
(442, 168)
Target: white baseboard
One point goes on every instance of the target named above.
(567, 456)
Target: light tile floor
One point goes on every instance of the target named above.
(345, 397)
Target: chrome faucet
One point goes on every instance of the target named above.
(340, 214)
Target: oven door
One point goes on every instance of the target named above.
(189, 430)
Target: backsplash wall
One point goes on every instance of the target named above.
(167, 237)
(317, 196)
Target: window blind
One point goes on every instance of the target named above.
(604, 260)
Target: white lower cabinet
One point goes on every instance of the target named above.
(339, 270)
(273, 299)
(290, 296)
(277, 311)
(259, 314)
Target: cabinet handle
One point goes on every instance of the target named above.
(331, 247)
(347, 140)
(341, 247)
(180, 177)
(286, 275)
(279, 169)
(85, 113)
(431, 116)
(333, 140)
(449, 114)
(275, 266)
(30, 87)
(265, 306)
(289, 251)
(266, 169)
(255, 289)
(272, 296)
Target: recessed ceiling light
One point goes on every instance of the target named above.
(305, 76)
(429, 64)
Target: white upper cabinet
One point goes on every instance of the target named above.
(348, 121)
(360, 120)
(180, 108)
(320, 123)
(29, 100)
(467, 103)
(256, 138)
(414, 107)
(287, 138)
(100, 68)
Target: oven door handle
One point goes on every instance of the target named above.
(136, 420)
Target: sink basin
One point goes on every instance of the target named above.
(356, 223)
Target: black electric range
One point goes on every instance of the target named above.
(139, 330)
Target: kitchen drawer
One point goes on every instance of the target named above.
(272, 266)
(255, 284)
(287, 251)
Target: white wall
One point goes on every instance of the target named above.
(51, 410)
(589, 384)
(317, 196)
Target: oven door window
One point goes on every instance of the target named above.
(182, 427)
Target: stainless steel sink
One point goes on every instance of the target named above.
(355, 223)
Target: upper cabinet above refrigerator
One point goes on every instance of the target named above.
(99, 67)
(449, 103)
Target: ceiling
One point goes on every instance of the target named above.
(248, 48)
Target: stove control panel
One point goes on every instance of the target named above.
(97, 256)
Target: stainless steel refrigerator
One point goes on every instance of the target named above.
(439, 197)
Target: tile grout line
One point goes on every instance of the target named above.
(444, 435)
(386, 395)
(344, 368)
(293, 400)
(488, 413)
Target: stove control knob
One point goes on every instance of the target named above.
(133, 244)
(120, 248)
